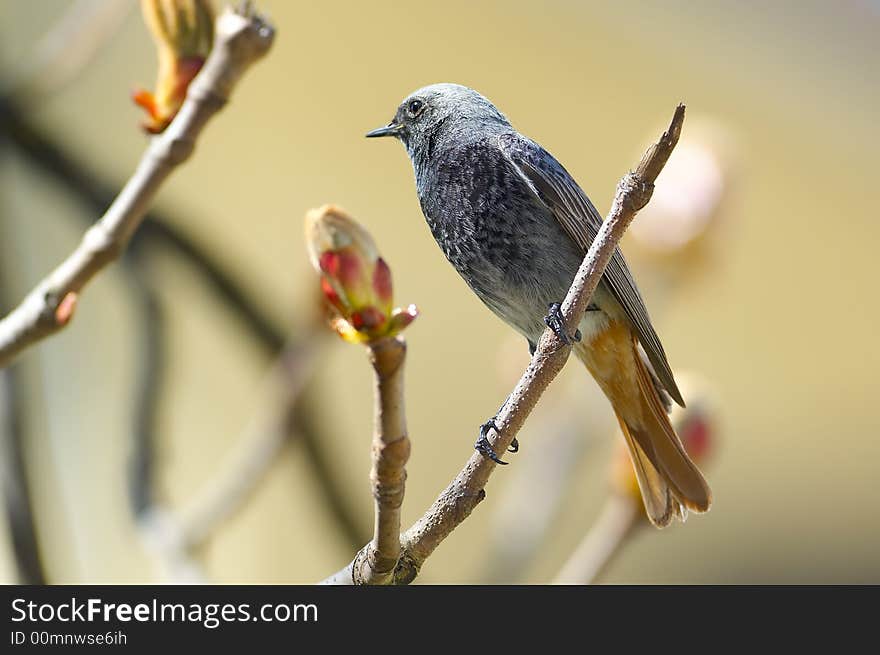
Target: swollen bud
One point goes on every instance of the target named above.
(355, 280)
(183, 31)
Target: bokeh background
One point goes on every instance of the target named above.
(774, 304)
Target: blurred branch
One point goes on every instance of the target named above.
(466, 491)
(240, 41)
(258, 448)
(620, 516)
(518, 537)
(18, 510)
(158, 229)
(697, 426)
(152, 355)
(156, 525)
(173, 536)
(164, 538)
(16, 494)
(67, 48)
(161, 231)
(376, 562)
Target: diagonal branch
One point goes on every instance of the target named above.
(463, 494)
(228, 492)
(617, 522)
(174, 536)
(240, 41)
(160, 231)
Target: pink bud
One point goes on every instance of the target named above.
(355, 280)
(382, 281)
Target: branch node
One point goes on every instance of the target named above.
(178, 149)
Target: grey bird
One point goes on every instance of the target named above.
(516, 226)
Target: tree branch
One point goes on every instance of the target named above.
(257, 451)
(466, 491)
(240, 41)
(376, 562)
(620, 516)
(14, 491)
(173, 536)
(160, 231)
(151, 370)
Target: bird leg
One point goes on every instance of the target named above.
(555, 322)
(483, 446)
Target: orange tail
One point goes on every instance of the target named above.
(669, 481)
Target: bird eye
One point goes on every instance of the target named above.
(415, 107)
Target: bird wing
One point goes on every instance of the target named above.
(553, 186)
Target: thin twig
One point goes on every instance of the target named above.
(618, 520)
(466, 491)
(377, 562)
(518, 537)
(240, 41)
(623, 512)
(391, 450)
(173, 536)
(267, 433)
(151, 369)
(159, 531)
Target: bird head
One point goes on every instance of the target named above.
(439, 114)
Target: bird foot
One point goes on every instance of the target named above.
(483, 446)
(555, 322)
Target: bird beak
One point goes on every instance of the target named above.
(392, 129)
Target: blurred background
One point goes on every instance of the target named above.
(756, 258)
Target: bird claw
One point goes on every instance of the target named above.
(483, 446)
(555, 321)
(514, 446)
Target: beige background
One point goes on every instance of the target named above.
(783, 321)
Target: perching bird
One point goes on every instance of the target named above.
(516, 226)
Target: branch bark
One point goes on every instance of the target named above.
(377, 562)
(466, 491)
(240, 41)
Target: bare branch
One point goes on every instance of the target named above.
(518, 538)
(240, 41)
(466, 491)
(619, 518)
(263, 439)
(623, 512)
(174, 536)
(376, 562)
